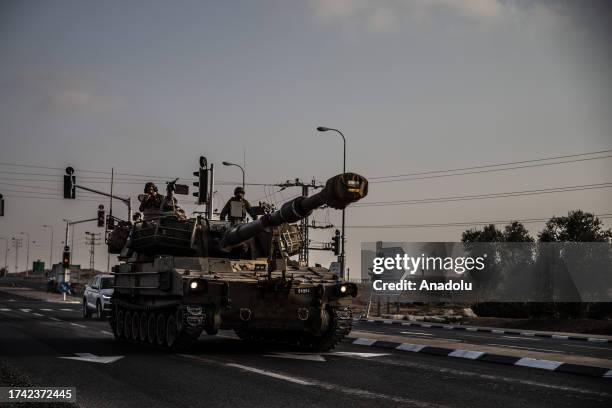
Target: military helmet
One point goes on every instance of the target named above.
(148, 185)
(238, 190)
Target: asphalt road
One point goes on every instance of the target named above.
(222, 371)
(514, 341)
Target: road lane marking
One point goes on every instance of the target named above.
(78, 325)
(558, 336)
(364, 342)
(45, 310)
(26, 310)
(537, 363)
(92, 358)
(67, 310)
(526, 348)
(107, 333)
(419, 333)
(54, 319)
(520, 338)
(270, 374)
(586, 347)
(597, 340)
(298, 356)
(529, 334)
(5, 310)
(472, 355)
(472, 329)
(37, 314)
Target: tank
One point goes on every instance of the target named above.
(179, 277)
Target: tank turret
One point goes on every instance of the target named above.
(339, 191)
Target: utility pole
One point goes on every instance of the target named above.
(92, 239)
(27, 253)
(304, 226)
(17, 243)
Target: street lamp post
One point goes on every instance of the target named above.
(237, 165)
(27, 252)
(50, 247)
(342, 253)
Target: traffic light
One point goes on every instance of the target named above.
(202, 183)
(100, 216)
(110, 223)
(336, 243)
(69, 183)
(66, 257)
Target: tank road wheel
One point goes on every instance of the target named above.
(128, 325)
(135, 326)
(151, 328)
(119, 323)
(180, 319)
(161, 329)
(142, 329)
(171, 331)
(339, 326)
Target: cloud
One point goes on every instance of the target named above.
(52, 94)
(389, 15)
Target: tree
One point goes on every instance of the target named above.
(577, 226)
(516, 232)
(489, 233)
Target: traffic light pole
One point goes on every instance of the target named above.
(126, 201)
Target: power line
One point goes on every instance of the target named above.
(484, 196)
(486, 171)
(493, 165)
(462, 224)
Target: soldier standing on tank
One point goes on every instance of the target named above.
(246, 206)
(152, 200)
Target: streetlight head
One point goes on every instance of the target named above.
(227, 163)
(323, 129)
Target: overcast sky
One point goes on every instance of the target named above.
(415, 85)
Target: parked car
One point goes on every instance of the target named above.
(97, 295)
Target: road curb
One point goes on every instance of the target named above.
(489, 330)
(550, 365)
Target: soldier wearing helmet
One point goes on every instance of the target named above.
(237, 200)
(152, 200)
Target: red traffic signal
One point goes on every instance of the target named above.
(66, 257)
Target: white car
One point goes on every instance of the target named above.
(97, 296)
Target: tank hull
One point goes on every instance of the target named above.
(189, 295)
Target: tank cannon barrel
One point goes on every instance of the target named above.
(339, 191)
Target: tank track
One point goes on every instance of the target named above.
(340, 325)
(171, 327)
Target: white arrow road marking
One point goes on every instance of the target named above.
(92, 358)
(297, 356)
